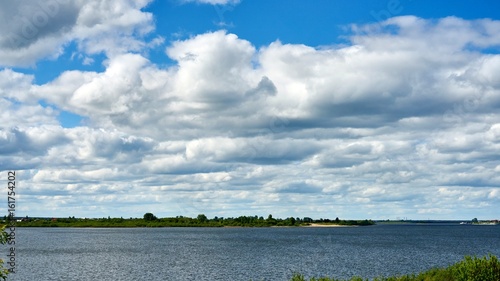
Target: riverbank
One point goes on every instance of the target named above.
(470, 269)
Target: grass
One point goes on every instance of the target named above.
(469, 269)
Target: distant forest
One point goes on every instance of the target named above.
(150, 220)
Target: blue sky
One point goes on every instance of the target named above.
(352, 109)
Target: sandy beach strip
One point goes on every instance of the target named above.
(328, 225)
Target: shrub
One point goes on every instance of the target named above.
(469, 269)
(3, 240)
(477, 269)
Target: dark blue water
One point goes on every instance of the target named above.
(244, 253)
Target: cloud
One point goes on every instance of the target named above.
(34, 31)
(213, 67)
(403, 120)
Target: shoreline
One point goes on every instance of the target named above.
(312, 225)
(328, 225)
(188, 222)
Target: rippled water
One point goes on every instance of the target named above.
(243, 253)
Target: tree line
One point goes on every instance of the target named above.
(150, 220)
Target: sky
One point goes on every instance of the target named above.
(351, 109)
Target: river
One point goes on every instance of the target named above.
(243, 253)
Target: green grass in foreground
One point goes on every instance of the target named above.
(469, 269)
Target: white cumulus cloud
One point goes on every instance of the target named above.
(395, 122)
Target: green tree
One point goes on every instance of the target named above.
(474, 220)
(149, 217)
(202, 218)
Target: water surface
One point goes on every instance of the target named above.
(244, 253)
